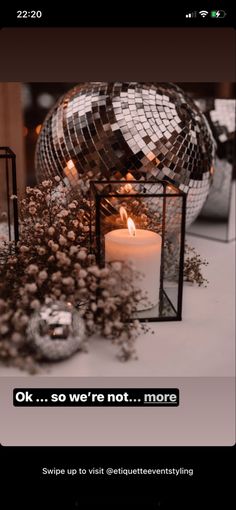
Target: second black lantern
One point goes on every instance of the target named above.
(9, 228)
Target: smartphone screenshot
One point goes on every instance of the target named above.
(117, 256)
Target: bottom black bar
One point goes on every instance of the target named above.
(210, 486)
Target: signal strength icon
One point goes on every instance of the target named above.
(203, 13)
(191, 15)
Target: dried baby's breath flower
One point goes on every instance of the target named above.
(117, 266)
(95, 270)
(31, 287)
(62, 240)
(63, 213)
(71, 235)
(72, 205)
(43, 275)
(56, 277)
(55, 247)
(68, 281)
(46, 184)
(32, 210)
(193, 267)
(73, 250)
(82, 255)
(53, 262)
(35, 304)
(41, 250)
(51, 231)
(32, 269)
(17, 338)
(24, 249)
(83, 273)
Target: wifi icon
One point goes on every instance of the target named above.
(203, 13)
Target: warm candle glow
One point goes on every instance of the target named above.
(123, 214)
(70, 164)
(129, 177)
(131, 227)
(128, 188)
(38, 129)
(71, 172)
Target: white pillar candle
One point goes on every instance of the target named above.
(143, 251)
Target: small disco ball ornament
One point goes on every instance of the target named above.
(56, 331)
(148, 131)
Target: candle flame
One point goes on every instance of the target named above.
(123, 214)
(131, 227)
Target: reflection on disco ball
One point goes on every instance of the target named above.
(217, 203)
(105, 131)
(222, 116)
(56, 330)
(222, 120)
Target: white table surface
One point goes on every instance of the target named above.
(202, 344)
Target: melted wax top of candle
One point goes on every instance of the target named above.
(142, 237)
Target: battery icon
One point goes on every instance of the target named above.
(218, 14)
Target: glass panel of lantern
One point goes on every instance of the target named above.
(142, 224)
(9, 228)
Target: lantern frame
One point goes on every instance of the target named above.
(10, 188)
(104, 194)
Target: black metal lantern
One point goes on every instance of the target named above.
(9, 227)
(143, 223)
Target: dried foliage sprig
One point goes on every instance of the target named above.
(193, 267)
(53, 261)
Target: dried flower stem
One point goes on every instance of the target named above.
(193, 267)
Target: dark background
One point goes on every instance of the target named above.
(113, 54)
(103, 14)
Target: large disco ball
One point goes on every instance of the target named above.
(147, 130)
